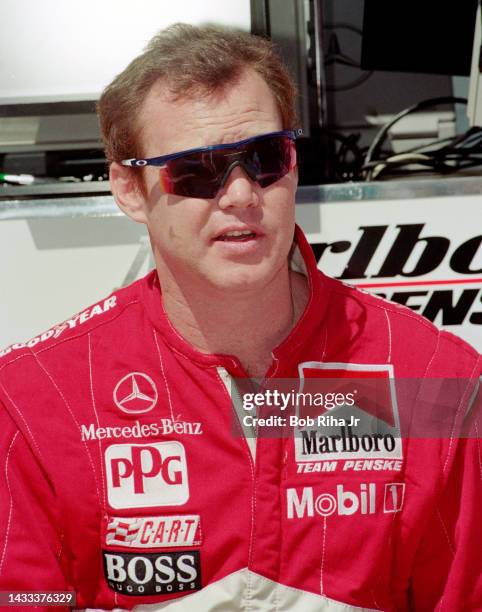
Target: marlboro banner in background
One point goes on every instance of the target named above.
(425, 253)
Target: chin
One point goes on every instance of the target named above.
(243, 277)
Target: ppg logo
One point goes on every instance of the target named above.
(146, 475)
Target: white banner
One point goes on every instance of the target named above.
(425, 253)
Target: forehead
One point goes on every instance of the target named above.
(239, 110)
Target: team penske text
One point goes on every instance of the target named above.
(164, 427)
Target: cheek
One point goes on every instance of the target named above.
(282, 203)
(177, 223)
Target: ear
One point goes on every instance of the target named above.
(296, 174)
(127, 192)
(294, 163)
(295, 169)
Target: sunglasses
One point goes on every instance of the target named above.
(202, 172)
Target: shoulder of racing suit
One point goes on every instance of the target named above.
(100, 313)
(405, 333)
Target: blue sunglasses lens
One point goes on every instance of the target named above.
(202, 174)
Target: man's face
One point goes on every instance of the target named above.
(190, 235)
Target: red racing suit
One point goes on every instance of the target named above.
(125, 478)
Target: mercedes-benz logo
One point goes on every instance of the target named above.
(135, 393)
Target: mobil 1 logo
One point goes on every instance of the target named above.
(159, 573)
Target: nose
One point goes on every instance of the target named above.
(238, 191)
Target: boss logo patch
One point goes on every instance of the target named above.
(153, 573)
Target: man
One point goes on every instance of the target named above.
(125, 475)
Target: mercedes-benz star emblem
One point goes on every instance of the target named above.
(135, 393)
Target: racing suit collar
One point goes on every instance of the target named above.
(301, 260)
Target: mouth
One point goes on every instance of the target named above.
(237, 236)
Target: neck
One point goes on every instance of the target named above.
(248, 324)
